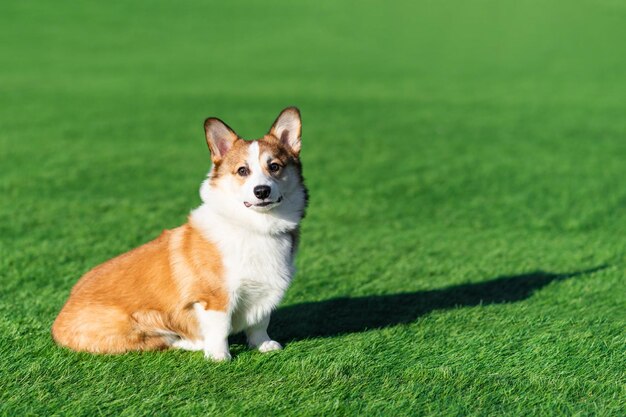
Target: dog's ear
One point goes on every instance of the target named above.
(219, 137)
(288, 128)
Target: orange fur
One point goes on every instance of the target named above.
(139, 299)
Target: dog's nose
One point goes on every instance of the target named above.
(262, 191)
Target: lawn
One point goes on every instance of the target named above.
(464, 247)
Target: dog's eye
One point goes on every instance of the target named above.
(274, 167)
(243, 171)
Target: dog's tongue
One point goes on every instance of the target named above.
(246, 204)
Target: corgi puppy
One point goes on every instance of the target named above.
(222, 272)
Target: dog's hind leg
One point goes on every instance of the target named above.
(106, 329)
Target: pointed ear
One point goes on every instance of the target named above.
(219, 137)
(288, 128)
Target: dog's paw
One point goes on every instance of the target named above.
(218, 356)
(269, 346)
(186, 344)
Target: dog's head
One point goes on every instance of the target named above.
(262, 176)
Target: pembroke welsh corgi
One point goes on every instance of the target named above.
(222, 272)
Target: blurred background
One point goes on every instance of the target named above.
(419, 117)
(444, 142)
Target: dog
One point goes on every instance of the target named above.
(221, 273)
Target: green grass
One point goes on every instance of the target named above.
(464, 249)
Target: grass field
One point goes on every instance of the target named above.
(464, 248)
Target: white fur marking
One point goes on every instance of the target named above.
(269, 346)
(258, 337)
(215, 327)
(258, 263)
(257, 177)
(186, 344)
(253, 158)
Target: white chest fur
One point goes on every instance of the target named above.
(258, 266)
(258, 272)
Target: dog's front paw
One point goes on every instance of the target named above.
(217, 355)
(269, 346)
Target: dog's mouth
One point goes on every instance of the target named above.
(263, 203)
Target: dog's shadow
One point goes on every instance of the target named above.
(343, 315)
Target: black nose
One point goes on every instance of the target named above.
(262, 191)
